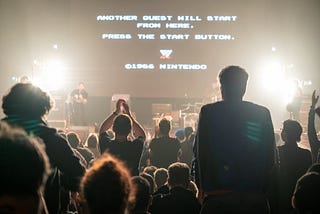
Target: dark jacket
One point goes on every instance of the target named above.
(235, 147)
(178, 201)
(61, 157)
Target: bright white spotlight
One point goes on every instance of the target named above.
(273, 49)
(272, 76)
(51, 75)
(55, 46)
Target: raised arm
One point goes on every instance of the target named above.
(312, 134)
(137, 129)
(107, 123)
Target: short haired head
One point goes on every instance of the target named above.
(233, 82)
(150, 170)
(122, 125)
(73, 139)
(92, 140)
(180, 134)
(164, 126)
(179, 175)
(143, 196)
(24, 165)
(150, 179)
(291, 131)
(106, 187)
(26, 100)
(307, 193)
(161, 176)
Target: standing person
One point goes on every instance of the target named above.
(26, 106)
(122, 147)
(79, 100)
(164, 150)
(235, 149)
(294, 162)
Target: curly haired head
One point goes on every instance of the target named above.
(26, 100)
(106, 187)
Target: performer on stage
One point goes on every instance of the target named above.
(79, 98)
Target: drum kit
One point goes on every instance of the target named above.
(186, 117)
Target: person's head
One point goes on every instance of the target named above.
(188, 131)
(161, 176)
(180, 135)
(291, 131)
(92, 141)
(150, 170)
(80, 85)
(233, 82)
(150, 179)
(143, 197)
(164, 126)
(306, 195)
(73, 139)
(24, 168)
(106, 187)
(26, 100)
(122, 125)
(179, 175)
(24, 79)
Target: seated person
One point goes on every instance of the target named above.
(123, 124)
(24, 168)
(180, 199)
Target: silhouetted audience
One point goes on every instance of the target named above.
(26, 106)
(294, 162)
(92, 144)
(179, 199)
(24, 168)
(164, 150)
(143, 198)
(235, 150)
(306, 196)
(151, 181)
(150, 170)
(161, 177)
(75, 142)
(106, 187)
(122, 147)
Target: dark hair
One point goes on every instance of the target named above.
(73, 139)
(26, 100)
(150, 179)
(233, 80)
(164, 126)
(293, 130)
(150, 170)
(142, 196)
(188, 131)
(161, 176)
(92, 141)
(122, 125)
(106, 187)
(24, 165)
(307, 193)
(179, 174)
